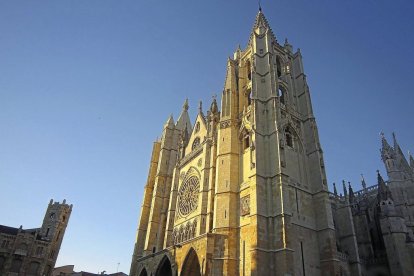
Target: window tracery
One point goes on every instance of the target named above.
(188, 195)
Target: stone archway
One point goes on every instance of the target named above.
(143, 272)
(164, 268)
(191, 266)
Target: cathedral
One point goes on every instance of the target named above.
(243, 189)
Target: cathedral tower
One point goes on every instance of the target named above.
(243, 191)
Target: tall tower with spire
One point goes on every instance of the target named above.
(243, 191)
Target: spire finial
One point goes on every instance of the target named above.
(335, 191)
(200, 107)
(260, 6)
(185, 105)
(364, 185)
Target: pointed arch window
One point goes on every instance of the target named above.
(282, 94)
(279, 67)
(197, 127)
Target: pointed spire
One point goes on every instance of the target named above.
(262, 24)
(351, 193)
(386, 150)
(384, 192)
(200, 107)
(397, 148)
(183, 121)
(185, 105)
(170, 122)
(335, 191)
(363, 183)
(344, 187)
(402, 162)
(213, 106)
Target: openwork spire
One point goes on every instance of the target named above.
(261, 23)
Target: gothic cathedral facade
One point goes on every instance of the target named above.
(243, 190)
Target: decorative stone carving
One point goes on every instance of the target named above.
(188, 196)
(200, 162)
(225, 124)
(245, 205)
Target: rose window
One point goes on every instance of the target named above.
(188, 196)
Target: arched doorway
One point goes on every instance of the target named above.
(164, 268)
(143, 272)
(191, 266)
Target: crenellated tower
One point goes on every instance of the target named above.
(54, 226)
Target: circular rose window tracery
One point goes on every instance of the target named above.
(188, 196)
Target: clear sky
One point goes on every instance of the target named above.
(86, 86)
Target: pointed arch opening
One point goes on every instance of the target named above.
(249, 70)
(279, 67)
(282, 94)
(164, 268)
(143, 272)
(191, 266)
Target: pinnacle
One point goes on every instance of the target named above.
(185, 105)
(170, 121)
(200, 107)
(183, 121)
(363, 183)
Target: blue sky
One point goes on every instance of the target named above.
(86, 86)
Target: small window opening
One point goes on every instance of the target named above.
(289, 137)
(249, 70)
(261, 51)
(47, 232)
(153, 249)
(197, 128)
(63, 219)
(225, 213)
